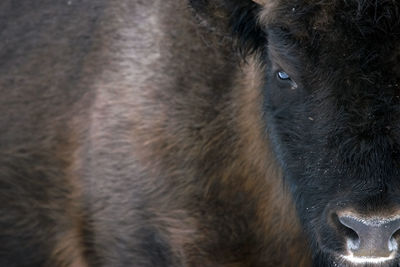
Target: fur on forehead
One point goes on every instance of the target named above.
(362, 17)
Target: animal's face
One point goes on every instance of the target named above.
(332, 111)
(331, 101)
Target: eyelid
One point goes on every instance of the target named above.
(288, 79)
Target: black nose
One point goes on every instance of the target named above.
(373, 237)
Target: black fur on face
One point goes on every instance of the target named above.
(250, 36)
(237, 18)
(334, 123)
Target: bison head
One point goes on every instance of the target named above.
(331, 101)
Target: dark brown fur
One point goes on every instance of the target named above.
(146, 128)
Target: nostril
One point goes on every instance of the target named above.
(370, 237)
(350, 235)
(353, 243)
(392, 244)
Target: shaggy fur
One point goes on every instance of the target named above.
(156, 133)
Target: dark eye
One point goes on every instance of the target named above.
(283, 76)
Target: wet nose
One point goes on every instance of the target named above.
(372, 236)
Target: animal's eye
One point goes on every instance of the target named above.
(283, 76)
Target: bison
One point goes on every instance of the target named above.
(208, 133)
